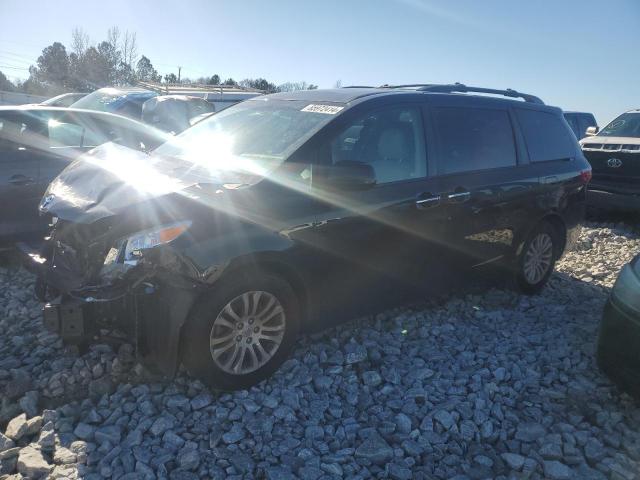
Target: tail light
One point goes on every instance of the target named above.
(585, 176)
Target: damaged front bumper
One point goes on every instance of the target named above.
(67, 320)
(149, 303)
(150, 317)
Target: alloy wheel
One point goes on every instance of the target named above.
(538, 258)
(247, 332)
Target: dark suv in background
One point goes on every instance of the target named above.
(122, 101)
(614, 155)
(175, 113)
(580, 122)
(276, 214)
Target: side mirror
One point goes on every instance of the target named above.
(591, 131)
(349, 175)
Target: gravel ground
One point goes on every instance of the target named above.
(496, 385)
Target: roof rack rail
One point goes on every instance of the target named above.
(358, 86)
(461, 88)
(181, 88)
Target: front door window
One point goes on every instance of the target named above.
(391, 140)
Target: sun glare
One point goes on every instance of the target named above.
(134, 171)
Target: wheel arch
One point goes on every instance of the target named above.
(275, 265)
(556, 222)
(267, 262)
(560, 227)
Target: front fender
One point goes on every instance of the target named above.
(159, 321)
(181, 276)
(212, 256)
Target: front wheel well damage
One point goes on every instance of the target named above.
(244, 267)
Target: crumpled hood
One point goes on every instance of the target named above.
(109, 178)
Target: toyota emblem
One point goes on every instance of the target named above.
(614, 162)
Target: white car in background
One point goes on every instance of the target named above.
(64, 100)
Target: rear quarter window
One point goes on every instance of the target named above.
(546, 135)
(23, 131)
(64, 135)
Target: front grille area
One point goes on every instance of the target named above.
(592, 146)
(612, 147)
(76, 255)
(67, 270)
(619, 168)
(631, 148)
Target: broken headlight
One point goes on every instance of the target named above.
(152, 238)
(129, 250)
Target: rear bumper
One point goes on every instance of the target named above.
(598, 198)
(618, 347)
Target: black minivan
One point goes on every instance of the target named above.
(225, 242)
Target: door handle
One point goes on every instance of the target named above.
(550, 179)
(427, 201)
(20, 180)
(459, 197)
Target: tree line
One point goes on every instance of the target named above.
(112, 62)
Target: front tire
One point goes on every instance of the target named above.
(537, 260)
(243, 332)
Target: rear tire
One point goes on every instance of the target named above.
(243, 332)
(537, 260)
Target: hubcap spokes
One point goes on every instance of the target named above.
(247, 333)
(538, 258)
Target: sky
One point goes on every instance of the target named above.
(575, 54)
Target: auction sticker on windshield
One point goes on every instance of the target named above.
(328, 109)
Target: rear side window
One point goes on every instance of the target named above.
(65, 134)
(76, 131)
(22, 132)
(473, 139)
(9, 134)
(546, 136)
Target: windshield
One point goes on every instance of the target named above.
(626, 125)
(56, 100)
(107, 99)
(254, 136)
(99, 100)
